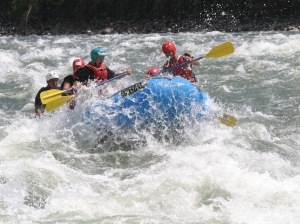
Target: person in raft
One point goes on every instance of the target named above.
(96, 69)
(52, 83)
(169, 49)
(151, 73)
(70, 80)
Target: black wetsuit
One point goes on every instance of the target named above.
(38, 101)
(70, 79)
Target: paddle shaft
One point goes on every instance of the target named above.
(109, 80)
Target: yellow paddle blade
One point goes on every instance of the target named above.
(228, 120)
(220, 50)
(50, 95)
(58, 102)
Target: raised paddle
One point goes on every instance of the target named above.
(54, 94)
(216, 52)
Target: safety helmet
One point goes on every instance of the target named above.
(78, 63)
(96, 52)
(169, 46)
(152, 71)
(51, 75)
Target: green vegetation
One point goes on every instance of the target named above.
(36, 12)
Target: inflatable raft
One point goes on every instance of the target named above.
(153, 102)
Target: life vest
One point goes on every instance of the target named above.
(183, 71)
(100, 73)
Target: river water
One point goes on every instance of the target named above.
(53, 172)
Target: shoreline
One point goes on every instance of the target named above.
(109, 26)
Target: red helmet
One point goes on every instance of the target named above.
(169, 46)
(78, 63)
(152, 71)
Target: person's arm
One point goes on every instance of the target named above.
(112, 74)
(38, 103)
(191, 59)
(38, 111)
(166, 65)
(127, 72)
(68, 82)
(67, 85)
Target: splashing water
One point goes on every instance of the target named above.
(59, 169)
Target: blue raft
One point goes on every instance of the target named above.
(154, 102)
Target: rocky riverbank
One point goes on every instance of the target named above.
(109, 26)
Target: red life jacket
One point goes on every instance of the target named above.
(184, 71)
(100, 73)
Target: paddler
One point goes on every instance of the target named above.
(70, 80)
(52, 83)
(96, 69)
(169, 49)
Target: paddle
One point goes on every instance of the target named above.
(54, 94)
(58, 102)
(228, 120)
(216, 52)
(53, 99)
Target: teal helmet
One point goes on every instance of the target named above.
(96, 52)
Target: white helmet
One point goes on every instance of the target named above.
(51, 75)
